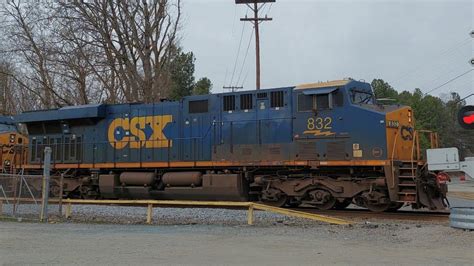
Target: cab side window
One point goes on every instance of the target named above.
(305, 102)
(319, 101)
(322, 101)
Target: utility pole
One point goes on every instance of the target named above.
(253, 5)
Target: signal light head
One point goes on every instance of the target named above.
(466, 117)
(469, 118)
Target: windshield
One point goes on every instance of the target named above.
(362, 97)
(7, 128)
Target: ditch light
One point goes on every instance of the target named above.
(466, 117)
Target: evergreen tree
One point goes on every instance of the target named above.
(182, 74)
(202, 86)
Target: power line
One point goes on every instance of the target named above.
(434, 78)
(417, 68)
(256, 20)
(270, 8)
(232, 88)
(245, 57)
(245, 77)
(238, 54)
(449, 81)
(231, 37)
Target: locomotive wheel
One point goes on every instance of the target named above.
(378, 207)
(274, 197)
(280, 202)
(322, 199)
(293, 203)
(54, 191)
(88, 192)
(342, 205)
(376, 201)
(395, 206)
(330, 204)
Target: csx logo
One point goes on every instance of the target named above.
(143, 131)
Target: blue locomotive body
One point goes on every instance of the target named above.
(252, 127)
(325, 144)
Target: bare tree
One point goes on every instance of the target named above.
(14, 94)
(136, 38)
(29, 37)
(81, 52)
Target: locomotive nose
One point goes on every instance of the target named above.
(400, 134)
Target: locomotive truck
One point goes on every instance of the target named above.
(325, 144)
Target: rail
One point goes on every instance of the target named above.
(150, 204)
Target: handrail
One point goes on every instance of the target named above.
(412, 159)
(391, 159)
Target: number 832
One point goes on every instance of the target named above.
(319, 123)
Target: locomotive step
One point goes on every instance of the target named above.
(407, 184)
(407, 193)
(406, 201)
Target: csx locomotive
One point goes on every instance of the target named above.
(325, 144)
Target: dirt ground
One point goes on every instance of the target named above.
(363, 244)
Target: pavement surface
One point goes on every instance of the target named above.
(366, 244)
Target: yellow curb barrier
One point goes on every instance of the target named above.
(183, 203)
(150, 204)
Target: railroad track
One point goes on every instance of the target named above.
(361, 214)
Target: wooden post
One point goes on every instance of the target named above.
(1, 207)
(149, 213)
(250, 215)
(68, 210)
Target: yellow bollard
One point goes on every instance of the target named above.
(250, 215)
(149, 213)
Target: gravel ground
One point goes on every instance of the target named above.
(175, 216)
(161, 216)
(112, 244)
(117, 235)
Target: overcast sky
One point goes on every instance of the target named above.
(410, 44)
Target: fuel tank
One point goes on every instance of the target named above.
(137, 178)
(182, 179)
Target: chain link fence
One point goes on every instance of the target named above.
(20, 196)
(27, 196)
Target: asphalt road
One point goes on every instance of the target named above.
(368, 244)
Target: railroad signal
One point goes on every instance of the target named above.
(466, 117)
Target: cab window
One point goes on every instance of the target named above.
(322, 101)
(360, 96)
(319, 101)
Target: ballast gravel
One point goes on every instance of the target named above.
(161, 215)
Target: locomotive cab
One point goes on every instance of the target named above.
(12, 145)
(344, 126)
